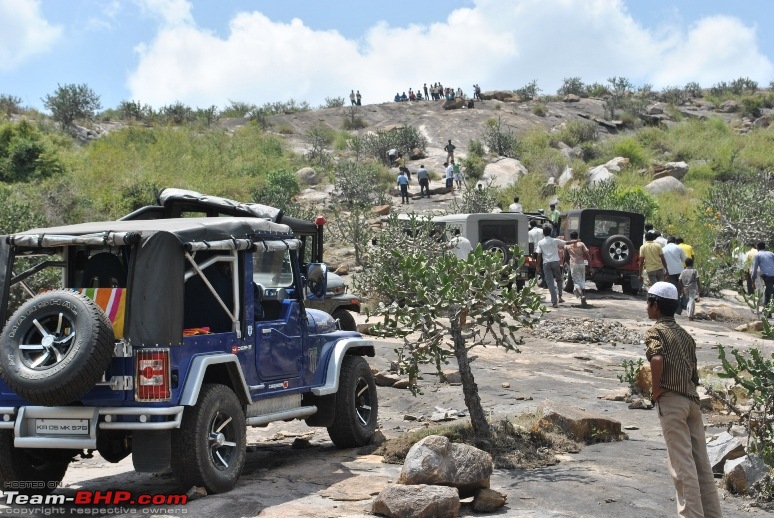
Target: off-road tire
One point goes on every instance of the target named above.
(46, 467)
(356, 405)
(603, 285)
(199, 455)
(68, 344)
(617, 251)
(346, 319)
(495, 245)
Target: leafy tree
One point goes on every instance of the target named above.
(353, 120)
(572, 85)
(10, 104)
(177, 114)
(208, 115)
(353, 227)
(607, 195)
(71, 102)
(333, 102)
(237, 109)
(278, 190)
(529, 91)
(499, 138)
(619, 88)
(476, 197)
(468, 301)
(404, 139)
(319, 137)
(360, 183)
(26, 154)
(135, 110)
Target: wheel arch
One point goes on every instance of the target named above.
(345, 347)
(223, 369)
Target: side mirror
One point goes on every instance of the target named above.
(316, 280)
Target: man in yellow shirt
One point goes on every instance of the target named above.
(652, 259)
(688, 249)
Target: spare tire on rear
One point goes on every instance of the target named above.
(495, 245)
(617, 251)
(56, 347)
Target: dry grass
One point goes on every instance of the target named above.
(514, 443)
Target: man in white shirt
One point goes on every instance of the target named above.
(534, 236)
(449, 175)
(515, 206)
(460, 245)
(674, 255)
(548, 250)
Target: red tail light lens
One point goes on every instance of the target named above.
(152, 377)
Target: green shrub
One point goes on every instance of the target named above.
(476, 147)
(473, 166)
(629, 147)
(333, 102)
(499, 138)
(71, 102)
(693, 89)
(278, 190)
(362, 184)
(404, 139)
(596, 90)
(673, 95)
(572, 85)
(26, 154)
(607, 195)
(576, 132)
(529, 91)
(236, 109)
(540, 110)
(752, 106)
(10, 104)
(285, 129)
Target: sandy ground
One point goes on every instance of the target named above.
(621, 479)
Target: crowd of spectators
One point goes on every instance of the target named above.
(436, 92)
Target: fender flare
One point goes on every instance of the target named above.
(343, 347)
(198, 369)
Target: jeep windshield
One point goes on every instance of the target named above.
(273, 269)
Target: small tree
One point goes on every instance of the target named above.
(499, 138)
(10, 104)
(71, 102)
(278, 190)
(468, 301)
(619, 89)
(476, 199)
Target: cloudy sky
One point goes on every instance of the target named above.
(204, 52)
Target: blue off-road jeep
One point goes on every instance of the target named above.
(165, 339)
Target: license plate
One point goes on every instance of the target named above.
(62, 426)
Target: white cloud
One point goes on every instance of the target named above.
(170, 12)
(497, 43)
(24, 32)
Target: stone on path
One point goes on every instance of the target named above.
(488, 500)
(419, 501)
(742, 473)
(723, 448)
(579, 425)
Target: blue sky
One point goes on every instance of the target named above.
(207, 52)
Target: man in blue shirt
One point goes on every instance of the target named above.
(403, 184)
(764, 260)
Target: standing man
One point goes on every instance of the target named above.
(403, 184)
(352, 97)
(553, 217)
(457, 174)
(515, 206)
(671, 352)
(764, 260)
(427, 98)
(424, 181)
(449, 175)
(460, 245)
(579, 254)
(402, 165)
(358, 97)
(688, 249)
(548, 262)
(533, 238)
(449, 148)
(652, 259)
(675, 259)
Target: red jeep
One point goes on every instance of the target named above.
(613, 238)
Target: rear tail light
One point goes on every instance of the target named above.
(152, 377)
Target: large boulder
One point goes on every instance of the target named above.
(666, 184)
(488, 500)
(729, 106)
(723, 448)
(571, 98)
(504, 172)
(500, 95)
(454, 104)
(308, 176)
(599, 174)
(436, 460)
(740, 474)
(566, 176)
(579, 425)
(614, 165)
(675, 169)
(420, 501)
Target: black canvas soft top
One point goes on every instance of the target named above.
(184, 230)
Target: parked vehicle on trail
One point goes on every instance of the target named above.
(613, 238)
(176, 203)
(165, 340)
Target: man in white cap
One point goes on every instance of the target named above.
(671, 352)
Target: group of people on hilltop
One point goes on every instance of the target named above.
(436, 92)
(355, 98)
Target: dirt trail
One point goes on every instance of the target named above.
(621, 479)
